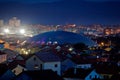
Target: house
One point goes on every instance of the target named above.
(107, 69)
(3, 57)
(93, 75)
(81, 74)
(18, 69)
(17, 66)
(83, 62)
(8, 75)
(5, 73)
(10, 54)
(38, 75)
(43, 61)
(2, 45)
(67, 64)
(19, 57)
(58, 48)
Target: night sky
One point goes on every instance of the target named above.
(62, 11)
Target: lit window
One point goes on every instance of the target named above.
(36, 66)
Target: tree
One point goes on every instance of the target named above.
(80, 46)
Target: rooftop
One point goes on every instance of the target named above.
(47, 56)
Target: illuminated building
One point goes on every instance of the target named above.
(109, 31)
(14, 22)
(1, 23)
(118, 30)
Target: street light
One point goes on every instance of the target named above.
(6, 30)
(22, 31)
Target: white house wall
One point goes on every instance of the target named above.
(51, 65)
(30, 65)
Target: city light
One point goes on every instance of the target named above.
(26, 53)
(6, 30)
(22, 31)
(70, 49)
(102, 43)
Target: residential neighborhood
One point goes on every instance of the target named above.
(54, 61)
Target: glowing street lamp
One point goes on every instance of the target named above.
(26, 53)
(70, 49)
(22, 31)
(6, 30)
(102, 43)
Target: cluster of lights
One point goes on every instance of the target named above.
(50, 42)
(21, 31)
(6, 30)
(24, 51)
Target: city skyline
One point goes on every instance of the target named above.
(61, 11)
